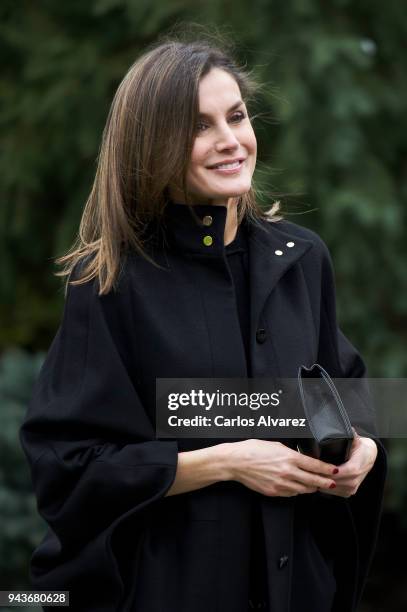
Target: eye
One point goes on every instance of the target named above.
(201, 126)
(238, 117)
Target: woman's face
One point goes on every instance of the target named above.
(224, 151)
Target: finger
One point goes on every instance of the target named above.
(316, 466)
(297, 488)
(351, 479)
(350, 468)
(350, 475)
(314, 480)
(345, 470)
(302, 488)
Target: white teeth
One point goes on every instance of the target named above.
(228, 166)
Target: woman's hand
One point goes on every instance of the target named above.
(273, 469)
(352, 473)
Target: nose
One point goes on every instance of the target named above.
(226, 138)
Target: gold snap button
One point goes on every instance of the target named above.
(207, 220)
(208, 240)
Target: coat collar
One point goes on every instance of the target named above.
(198, 231)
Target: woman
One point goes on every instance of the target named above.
(177, 273)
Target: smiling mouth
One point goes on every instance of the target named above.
(233, 166)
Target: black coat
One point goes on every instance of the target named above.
(100, 476)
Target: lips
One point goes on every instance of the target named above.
(228, 163)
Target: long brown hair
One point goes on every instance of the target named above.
(155, 104)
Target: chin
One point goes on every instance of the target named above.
(230, 192)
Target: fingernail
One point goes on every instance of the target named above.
(332, 486)
(335, 471)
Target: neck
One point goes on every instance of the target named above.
(231, 221)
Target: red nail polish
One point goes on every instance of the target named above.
(332, 486)
(335, 471)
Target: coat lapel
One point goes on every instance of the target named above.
(273, 252)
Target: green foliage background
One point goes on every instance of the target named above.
(331, 124)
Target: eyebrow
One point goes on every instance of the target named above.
(232, 108)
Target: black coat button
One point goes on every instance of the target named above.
(261, 335)
(282, 562)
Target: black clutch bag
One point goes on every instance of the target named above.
(331, 433)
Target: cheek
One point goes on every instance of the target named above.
(252, 142)
(199, 154)
(196, 165)
(252, 147)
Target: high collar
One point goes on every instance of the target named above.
(199, 230)
(196, 230)
(274, 247)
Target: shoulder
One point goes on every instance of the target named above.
(83, 297)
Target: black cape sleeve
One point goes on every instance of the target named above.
(342, 360)
(92, 451)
